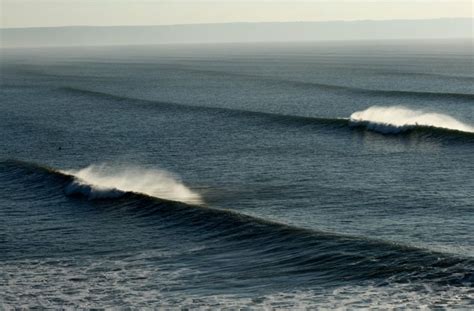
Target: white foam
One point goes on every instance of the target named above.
(136, 283)
(397, 119)
(104, 181)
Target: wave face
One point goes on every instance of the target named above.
(105, 181)
(392, 120)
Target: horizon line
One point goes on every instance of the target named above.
(240, 22)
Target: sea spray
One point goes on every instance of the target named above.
(104, 181)
(397, 119)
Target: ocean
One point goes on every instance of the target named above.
(257, 176)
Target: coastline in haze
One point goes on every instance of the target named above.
(442, 28)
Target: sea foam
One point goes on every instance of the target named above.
(103, 181)
(398, 119)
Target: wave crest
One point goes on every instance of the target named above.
(102, 181)
(392, 120)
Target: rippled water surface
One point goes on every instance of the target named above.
(312, 175)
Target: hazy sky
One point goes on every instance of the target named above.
(41, 13)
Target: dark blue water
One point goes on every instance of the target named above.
(261, 176)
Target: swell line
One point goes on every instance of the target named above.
(348, 89)
(293, 119)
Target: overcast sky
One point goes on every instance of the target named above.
(43, 13)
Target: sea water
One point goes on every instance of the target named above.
(238, 175)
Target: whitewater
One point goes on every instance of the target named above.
(398, 119)
(106, 181)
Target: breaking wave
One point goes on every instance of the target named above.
(103, 181)
(385, 120)
(304, 258)
(397, 119)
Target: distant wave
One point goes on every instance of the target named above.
(105, 181)
(334, 87)
(397, 119)
(385, 120)
(230, 112)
